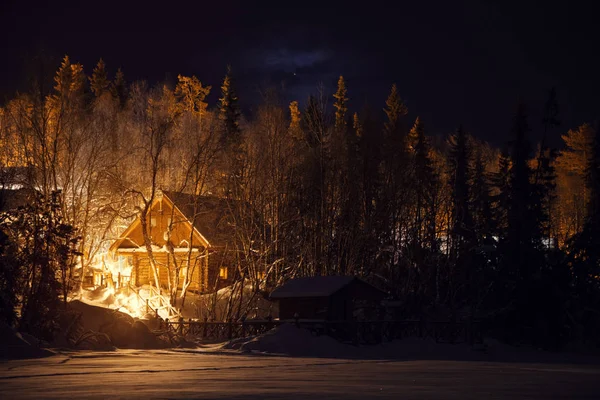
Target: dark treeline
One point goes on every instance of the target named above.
(451, 227)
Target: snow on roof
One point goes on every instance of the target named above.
(214, 217)
(317, 286)
(211, 215)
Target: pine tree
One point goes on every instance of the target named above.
(523, 231)
(522, 289)
(501, 199)
(584, 253)
(481, 199)
(460, 176)
(395, 109)
(585, 246)
(592, 175)
(368, 135)
(99, 82)
(229, 112)
(69, 85)
(118, 88)
(294, 129)
(545, 174)
(340, 105)
(425, 179)
(394, 155)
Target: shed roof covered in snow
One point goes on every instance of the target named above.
(334, 298)
(317, 286)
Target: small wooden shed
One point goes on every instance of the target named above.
(332, 298)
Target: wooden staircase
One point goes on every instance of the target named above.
(157, 304)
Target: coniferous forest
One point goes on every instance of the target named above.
(450, 227)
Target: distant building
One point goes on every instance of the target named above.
(14, 191)
(333, 298)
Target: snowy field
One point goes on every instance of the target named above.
(222, 375)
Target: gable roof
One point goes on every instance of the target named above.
(316, 286)
(211, 216)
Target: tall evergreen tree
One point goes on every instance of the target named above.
(501, 198)
(523, 290)
(295, 117)
(229, 112)
(481, 199)
(395, 109)
(585, 246)
(545, 173)
(523, 231)
(341, 105)
(99, 82)
(460, 177)
(425, 179)
(118, 88)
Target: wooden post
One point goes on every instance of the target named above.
(181, 326)
(205, 327)
(230, 333)
(147, 307)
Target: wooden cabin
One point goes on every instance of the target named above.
(332, 298)
(181, 226)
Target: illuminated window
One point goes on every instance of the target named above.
(152, 222)
(223, 272)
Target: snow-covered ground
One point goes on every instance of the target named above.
(293, 363)
(197, 374)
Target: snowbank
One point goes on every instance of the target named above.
(14, 346)
(121, 329)
(293, 341)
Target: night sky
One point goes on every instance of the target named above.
(454, 62)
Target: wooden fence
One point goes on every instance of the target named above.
(355, 332)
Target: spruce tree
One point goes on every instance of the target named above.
(522, 288)
(585, 246)
(229, 112)
(99, 82)
(545, 174)
(340, 105)
(118, 88)
(294, 129)
(481, 199)
(425, 179)
(501, 200)
(460, 177)
(395, 109)
(522, 230)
